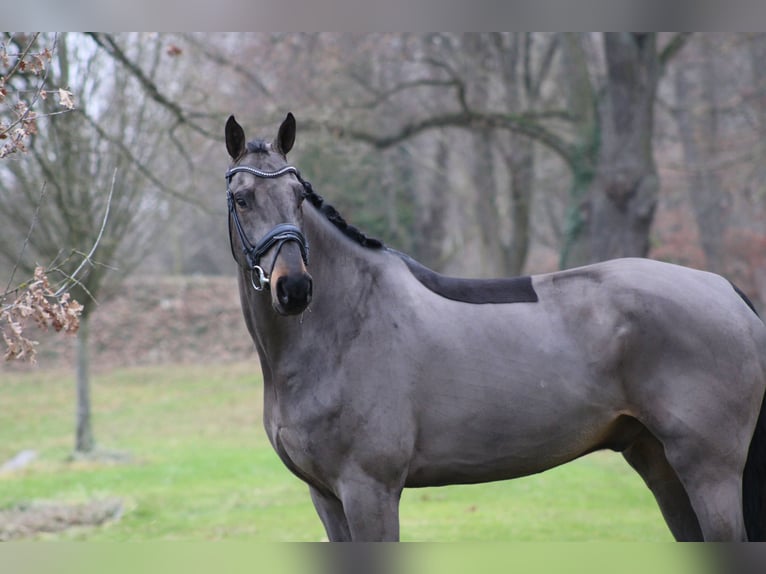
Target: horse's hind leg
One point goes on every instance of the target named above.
(330, 511)
(714, 485)
(647, 457)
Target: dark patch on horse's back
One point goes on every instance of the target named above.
(475, 291)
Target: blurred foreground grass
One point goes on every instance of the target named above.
(198, 466)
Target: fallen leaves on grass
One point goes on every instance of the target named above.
(32, 519)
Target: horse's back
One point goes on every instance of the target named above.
(655, 292)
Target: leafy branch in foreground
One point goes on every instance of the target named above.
(36, 301)
(23, 75)
(25, 62)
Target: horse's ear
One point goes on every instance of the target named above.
(235, 138)
(286, 136)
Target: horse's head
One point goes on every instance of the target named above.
(265, 218)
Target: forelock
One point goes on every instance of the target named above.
(258, 146)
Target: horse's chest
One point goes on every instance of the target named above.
(291, 448)
(298, 449)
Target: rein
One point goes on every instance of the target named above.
(278, 235)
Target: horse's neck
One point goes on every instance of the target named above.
(343, 274)
(339, 266)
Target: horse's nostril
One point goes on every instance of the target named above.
(282, 294)
(309, 288)
(293, 293)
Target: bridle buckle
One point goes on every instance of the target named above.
(262, 281)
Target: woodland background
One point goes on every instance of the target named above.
(479, 154)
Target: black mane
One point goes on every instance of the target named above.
(263, 146)
(335, 218)
(475, 291)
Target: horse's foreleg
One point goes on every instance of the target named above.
(330, 511)
(371, 509)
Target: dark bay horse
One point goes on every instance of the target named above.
(380, 374)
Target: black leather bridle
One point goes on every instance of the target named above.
(275, 238)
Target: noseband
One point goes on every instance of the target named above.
(275, 238)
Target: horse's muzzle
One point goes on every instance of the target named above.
(292, 293)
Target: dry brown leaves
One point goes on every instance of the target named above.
(36, 302)
(18, 120)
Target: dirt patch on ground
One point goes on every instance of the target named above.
(36, 518)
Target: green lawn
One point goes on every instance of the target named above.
(201, 468)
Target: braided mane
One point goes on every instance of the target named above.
(337, 220)
(332, 215)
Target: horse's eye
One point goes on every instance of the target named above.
(241, 202)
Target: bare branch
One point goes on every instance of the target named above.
(674, 46)
(107, 43)
(221, 60)
(545, 65)
(24, 124)
(140, 165)
(380, 96)
(526, 124)
(37, 301)
(21, 57)
(456, 79)
(87, 259)
(26, 240)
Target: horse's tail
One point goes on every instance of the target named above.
(754, 482)
(754, 475)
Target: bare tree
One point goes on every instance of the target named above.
(100, 157)
(525, 61)
(25, 63)
(618, 206)
(697, 114)
(605, 140)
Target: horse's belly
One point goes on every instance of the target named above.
(469, 468)
(484, 449)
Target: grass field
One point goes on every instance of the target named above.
(200, 468)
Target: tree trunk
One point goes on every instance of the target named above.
(483, 161)
(582, 104)
(518, 153)
(521, 165)
(698, 139)
(84, 434)
(483, 176)
(757, 49)
(619, 206)
(431, 212)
